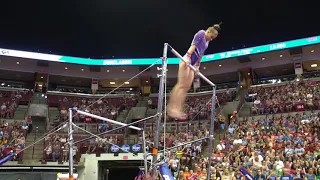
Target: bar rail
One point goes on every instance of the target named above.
(191, 67)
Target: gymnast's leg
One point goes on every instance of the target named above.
(179, 92)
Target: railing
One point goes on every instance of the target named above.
(88, 95)
(201, 93)
(172, 127)
(91, 127)
(35, 138)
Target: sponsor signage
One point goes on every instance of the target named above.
(125, 148)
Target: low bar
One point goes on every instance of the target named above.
(106, 119)
(115, 129)
(190, 66)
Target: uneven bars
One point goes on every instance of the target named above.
(190, 66)
(106, 119)
(117, 128)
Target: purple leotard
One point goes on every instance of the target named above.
(201, 44)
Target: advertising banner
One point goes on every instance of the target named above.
(125, 148)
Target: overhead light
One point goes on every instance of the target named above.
(312, 50)
(41, 77)
(204, 67)
(147, 81)
(18, 62)
(314, 65)
(248, 74)
(8, 85)
(40, 85)
(263, 59)
(126, 82)
(2, 84)
(108, 70)
(220, 65)
(130, 89)
(65, 68)
(82, 69)
(123, 70)
(112, 83)
(280, 55)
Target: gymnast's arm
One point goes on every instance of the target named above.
(197, 65)
(191, 49)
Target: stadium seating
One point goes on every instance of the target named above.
(106, 107)
(10, 100)
(56, 146)
(294, 96)
(278, 140)
(198, 105)
(13, 134)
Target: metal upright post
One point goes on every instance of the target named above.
(145, 154)
(211, 132)
(70, 139)
(160, 107)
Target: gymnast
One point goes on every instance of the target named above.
(193, 56)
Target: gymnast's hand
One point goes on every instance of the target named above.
(188, 59)
(197, 69)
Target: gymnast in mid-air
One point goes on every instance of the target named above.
(193, 56)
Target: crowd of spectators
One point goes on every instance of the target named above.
(12, 138)
(294, 96)
(9, 101)
(184, 155)
(269, 148)
(56, 146)
(106, 107)
(199, 107)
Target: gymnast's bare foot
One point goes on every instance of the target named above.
(177, 115)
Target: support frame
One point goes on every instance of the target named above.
(160, 107)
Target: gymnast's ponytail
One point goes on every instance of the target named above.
(217, 26)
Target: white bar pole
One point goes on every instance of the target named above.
(70, 139)
(211, 131)
(160, 108)
(191, 67)
(145, 154)
(106, 119)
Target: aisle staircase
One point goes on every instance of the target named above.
(246, 109)
(35, 153)
(20, 112)
(39, 98)
(122, 116)
(53, 114)
(142, 101)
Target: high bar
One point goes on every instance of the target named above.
(106, 119)
(190, 66)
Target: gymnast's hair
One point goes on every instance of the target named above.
(215, 28)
